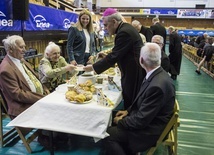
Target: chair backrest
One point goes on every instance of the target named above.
(3, 103)
(170, 130)
(16, 131)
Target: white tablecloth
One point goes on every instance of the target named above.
(55, 113)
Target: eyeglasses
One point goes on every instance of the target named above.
(158, 43)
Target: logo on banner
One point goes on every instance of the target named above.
(66, 23)
(5, 22)
(41, 22)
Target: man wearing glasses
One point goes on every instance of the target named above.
(165, 63)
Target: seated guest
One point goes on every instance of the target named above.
(207, 55)
(201, 40)
(139, 127)
(165, 63)
(18, 81)
(53, 66)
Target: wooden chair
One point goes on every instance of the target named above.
(26, 135)
(170, 131)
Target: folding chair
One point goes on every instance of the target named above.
(170, 131)
(26, 135)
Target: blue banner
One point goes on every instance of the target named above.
(6, 22)
(40, 18)
(45, 18)
(163, 11)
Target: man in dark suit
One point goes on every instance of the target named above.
(18, 89)
(158, 29)
(143, 30)
(175, 52)
(125, 53)
(165, 63)
(139, 127)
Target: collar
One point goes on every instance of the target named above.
(150, 72)
(14, 59)
(120, 24)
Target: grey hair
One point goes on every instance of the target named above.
(159, 37)
(51, 46)
(135, 23)
(117, 16)
(151, 54)
(10, 42)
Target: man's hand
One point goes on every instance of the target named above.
(120, 115)
(88, 68)
(101, 55)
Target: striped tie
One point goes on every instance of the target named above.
(34, 80)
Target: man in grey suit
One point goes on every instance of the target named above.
(139, 127)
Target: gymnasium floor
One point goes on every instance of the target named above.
(195, 94)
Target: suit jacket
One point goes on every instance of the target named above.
(152, 108)
(147, 33)
(76, 45)
(126, 54)
(15, 88)
(165, 63)
(175, 53)
(159, 29)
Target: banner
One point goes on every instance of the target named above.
(164, 12)
(45, 18)
(195, 13)
(40, 18)
(6, 22)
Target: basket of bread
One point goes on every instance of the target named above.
(81, 93)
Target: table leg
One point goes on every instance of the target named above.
(51, 142)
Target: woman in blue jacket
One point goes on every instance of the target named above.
(80, 45)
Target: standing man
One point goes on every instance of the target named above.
(158, 29)
(139, 127)
(175, 52)
(143, 30)
(125, 53)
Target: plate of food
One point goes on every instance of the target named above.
(79, 98)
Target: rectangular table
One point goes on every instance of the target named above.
(55, 113)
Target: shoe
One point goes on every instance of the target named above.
(198, 72)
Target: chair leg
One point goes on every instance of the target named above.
(27, 146)
(151, 151)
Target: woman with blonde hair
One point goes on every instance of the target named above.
(80, 45)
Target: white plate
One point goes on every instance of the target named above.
(75, 102)
(79, 69)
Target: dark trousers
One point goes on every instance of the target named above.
(124, 142)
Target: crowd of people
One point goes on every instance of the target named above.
(139, 51)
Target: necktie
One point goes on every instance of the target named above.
(34, 80)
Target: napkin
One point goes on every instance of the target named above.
(102, 99)
(73, 80)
